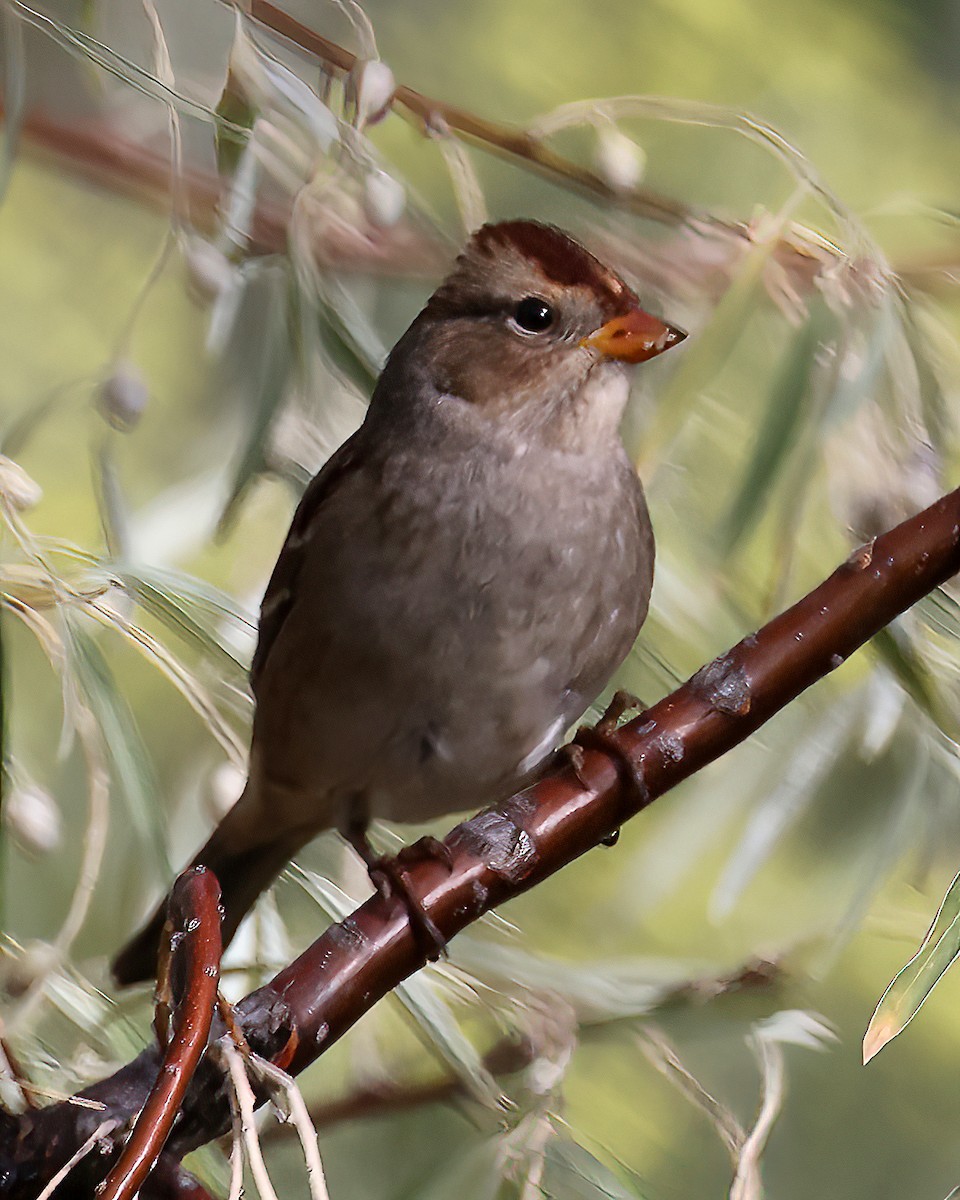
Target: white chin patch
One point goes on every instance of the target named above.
(607, 389)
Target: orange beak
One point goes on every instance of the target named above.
(634, 337)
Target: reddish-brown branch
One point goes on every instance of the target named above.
(502, 852)
(194, 916)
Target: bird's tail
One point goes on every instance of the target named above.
(246, 856)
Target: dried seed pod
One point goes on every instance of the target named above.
(384, 199)
(16, 486)
(209, 272)
(619, 160)
(123, 397)
(33, 817)
(372, 85)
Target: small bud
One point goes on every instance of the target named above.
(17, 488)
(33, 818)
(209, 272)
(373, 84)
(123, 397)
(620, 161)
(384, 199)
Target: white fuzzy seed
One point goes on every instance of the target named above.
(620, 161)
(16, 486)
(374, 86)
(123, 397)
(384, 199)
(33, 818)
(209, 271)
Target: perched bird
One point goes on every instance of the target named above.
(461, 578)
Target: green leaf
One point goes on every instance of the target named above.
(779, 430)
(573, 1173)
(900, 656)
(189, 607)
(234, 113)
(128, 755)
(910, 987)
(929, 339)
(706, 354)
(111, 501)
(261, 369)
(785, 802)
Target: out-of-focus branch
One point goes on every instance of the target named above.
(506, 850)
(194, 967)
(96, 151)
(436, 116)
(508, 1056)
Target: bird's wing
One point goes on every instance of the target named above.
(281, 591)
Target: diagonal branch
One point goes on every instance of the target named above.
(503, 851)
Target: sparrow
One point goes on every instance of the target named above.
(462, 577)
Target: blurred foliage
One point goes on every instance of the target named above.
(171, 380)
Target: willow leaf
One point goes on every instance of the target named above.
(261, 380)
(910, 987)
(778, 430)
(190, 608)
(128, 755)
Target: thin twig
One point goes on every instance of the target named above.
(661, 1055)
(300, 1117)
(195, 972)
(101, 1131)
(747, 1184)
(426, 112)
(247, 1102)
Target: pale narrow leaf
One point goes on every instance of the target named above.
(910, 987)
(127, 754)
(782, 419)
(779, 811)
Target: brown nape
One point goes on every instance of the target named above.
(561, 259)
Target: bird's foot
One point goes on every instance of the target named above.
(602, 737)
(631, 773)
(389, 876)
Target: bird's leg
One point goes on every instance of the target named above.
(388, 876)
(622, 702)
(599, 737)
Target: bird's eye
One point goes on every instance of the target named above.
(534, 315)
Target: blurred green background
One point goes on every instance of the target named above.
(170, 385)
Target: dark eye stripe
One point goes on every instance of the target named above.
(534, 315)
